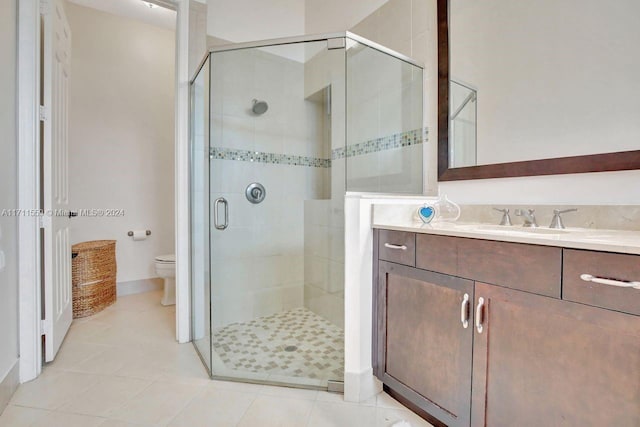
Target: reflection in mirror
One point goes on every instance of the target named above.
(462, 126)
(556, 78)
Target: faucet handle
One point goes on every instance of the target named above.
(506, 219)
(556, 221)
(558, 211)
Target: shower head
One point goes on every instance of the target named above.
(259, 107)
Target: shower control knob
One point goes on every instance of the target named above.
(255, 193)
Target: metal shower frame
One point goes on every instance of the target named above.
(305, 39)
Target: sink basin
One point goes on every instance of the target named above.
(504, 229)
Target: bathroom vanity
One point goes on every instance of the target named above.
(486, 326)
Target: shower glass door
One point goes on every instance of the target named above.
(200, 214)
(277, 229)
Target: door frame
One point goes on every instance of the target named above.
(30, 269)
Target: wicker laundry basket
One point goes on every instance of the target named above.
(93, 276)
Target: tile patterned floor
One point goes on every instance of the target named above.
(122, 367)
(265, 345)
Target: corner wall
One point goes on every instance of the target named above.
(8, 200)
(121, 135)
(410, 27)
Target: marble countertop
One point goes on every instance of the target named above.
(621, 241)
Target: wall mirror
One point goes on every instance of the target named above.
(537, 88)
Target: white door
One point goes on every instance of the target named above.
(57, 248)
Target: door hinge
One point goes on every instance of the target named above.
(40, 222)
(42, 113)
(43, 326)
(45, 6)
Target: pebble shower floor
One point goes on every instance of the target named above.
(294, 343)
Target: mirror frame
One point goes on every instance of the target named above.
(618, 161)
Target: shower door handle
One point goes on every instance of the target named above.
(216, 224)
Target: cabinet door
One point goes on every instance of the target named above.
(545, 362)
(427, 348)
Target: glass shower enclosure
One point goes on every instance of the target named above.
(280, 131)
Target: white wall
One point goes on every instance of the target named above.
(121, 147)
(322, 16)
(8, 194)
(134, 9)
(197, 35)
(249, 20)
(603, 188)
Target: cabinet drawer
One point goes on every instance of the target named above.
(531, 268)
(618, 267)
(437, 253)
(397, 246)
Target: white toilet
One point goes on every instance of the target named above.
(166, 268)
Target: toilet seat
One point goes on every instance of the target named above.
(166, 269)
(166, 259)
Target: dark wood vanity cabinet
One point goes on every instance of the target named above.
(530, 357)
(542, 361)
(426, 337)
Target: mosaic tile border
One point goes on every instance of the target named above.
(222, 153)
(390, 142)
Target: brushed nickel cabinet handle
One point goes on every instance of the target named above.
(392, 246)
(479, 309)
(464, 311)
(610, 282)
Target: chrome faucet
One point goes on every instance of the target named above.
(556, 222)
(529, 217)
(506, 219)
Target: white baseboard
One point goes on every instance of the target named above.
(9, 385)
(360, 386)
(139, 286)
